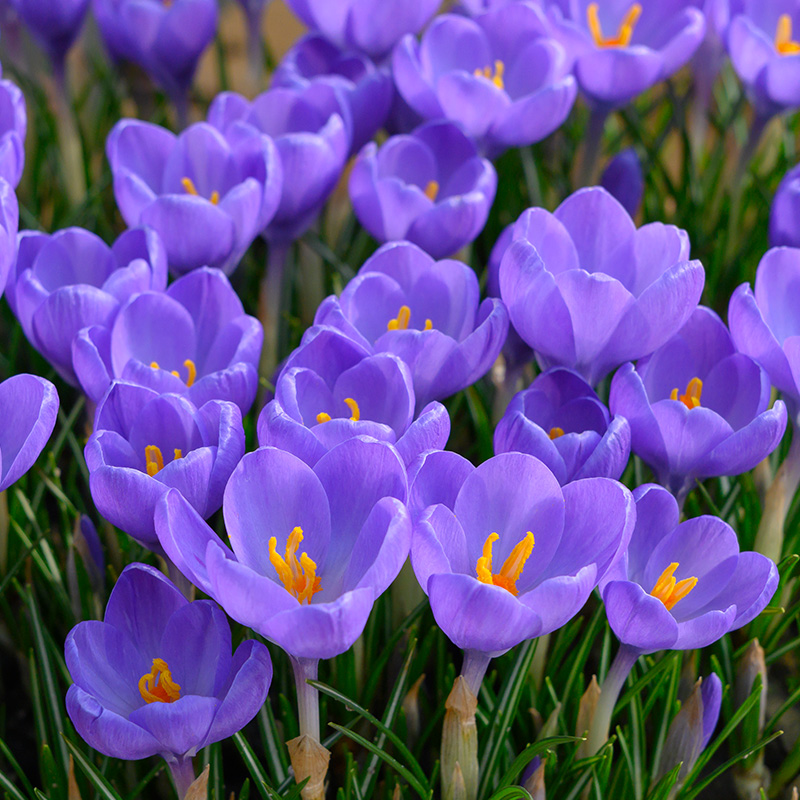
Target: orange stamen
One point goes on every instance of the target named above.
(624, 32)
(691, 399)
(157, 685)
(512, 567)
(299, 576)
(668, 590)
(784, 43)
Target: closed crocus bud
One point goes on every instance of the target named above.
(501, 76)
(533, 780)
(63, 283)
(619, 50)
(9, 225)
(784, 217)
(206, 193)
(13, 127)
(426, 312)
(750, 666)
(429, 187)
(157, 676)
(54, 25)
(623, 179)
(692, 727)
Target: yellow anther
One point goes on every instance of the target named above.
(400, 322)
(668, 590)
(178, 453)
(355, 411)
(783, 37)
(214, 198)
(190, 188)
(624, 32)
(153, 459)
(191, 369)
(299, 576)
(157, 685)
(694, 390)
(154, 365)
(323, 417)
(496, 76)
(555, 433)
(428, 325)
(512, 567)
(431, 190)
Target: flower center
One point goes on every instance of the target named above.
(694, 389)
(668, 590)
(495, 76)
(154, 459)
(355, 412)
(299, 576)
(555, 433)
(512, 567)
(431, 190)
(190, 188)
(624, 32)
(783, 37)
(191, 369)
(400, 322)
(157, 685)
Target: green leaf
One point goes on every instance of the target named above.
(103, 787)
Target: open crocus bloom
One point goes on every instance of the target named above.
(516, 555)
(311, 549)
(682, 586)
(501, 76)
(331, 389)
(193, 339)
(426, 312)
(145, 442)
(765, 324)
(784, 217)
(157, 677)
(71, 280)
(206, 193)
(561, 421)
(697, 408)
(587, 289)
(621, 48)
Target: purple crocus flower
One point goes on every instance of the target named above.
(588, 290)
(54, 25)
(619, 48)
(473, 558)
(331, 389)
(310, 138)
(762, 41)
(13, 127)
(206, 193)
(424, 311)
(429, 187)
(784, 217)
(371, 26)
(157, 677)
(63, 283)
(145, 443)
(165, 38)
(500, 75)
(562, 422)
(364, 91)
(193, 339)
(698, 408)
(623, 180)
(9, 226)
(28, 408)
(682, 585)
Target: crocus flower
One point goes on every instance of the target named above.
(762, 42)
(157, 677)
(698, 408)
(516, 555)
(500, 75)
(63, 283)
(620, 49)
(145, 443)
(588, 290)
(371, 26)
(364, 91)
(331, 389)
(623, 180)
(310, 138)
(682, 585)
(784, 217)
(54, 25)
(206, 193)
(193, 339)
(28, 408)
(13, 127)
(164, 38)
(424, 311)
(9, 225)
(562, 422)
(429, 187)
